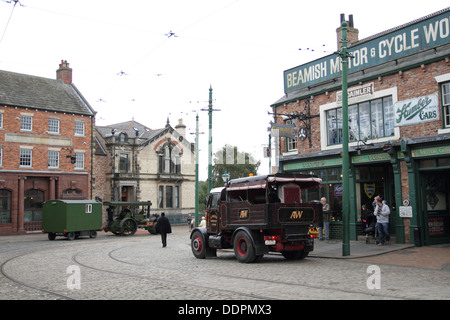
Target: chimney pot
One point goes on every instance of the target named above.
(64, 73)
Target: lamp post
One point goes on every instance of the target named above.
(226, 177)
(345, 140)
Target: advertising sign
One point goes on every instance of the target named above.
(417, 110)
(413, 38)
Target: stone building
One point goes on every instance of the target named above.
(399, 127)
(142, 164)
(46, 133)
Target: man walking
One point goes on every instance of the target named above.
(163, 227)
(382, 212)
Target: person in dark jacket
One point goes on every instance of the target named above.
(163, 227)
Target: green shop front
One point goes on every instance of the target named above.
(413, 179)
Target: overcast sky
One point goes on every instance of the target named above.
(126, 66)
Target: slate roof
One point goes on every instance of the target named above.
(21, 90)
(128, 127)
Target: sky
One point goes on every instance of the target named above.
(127, 67)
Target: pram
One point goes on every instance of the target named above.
(370, 227)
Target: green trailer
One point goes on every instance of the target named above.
(71, 218)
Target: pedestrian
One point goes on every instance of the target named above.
(163, 227)
(203, 223)
(189, 219)
(382, 213)
(326, 220)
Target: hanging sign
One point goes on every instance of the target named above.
(284, 130)
(417, 110)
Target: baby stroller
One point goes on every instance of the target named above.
(369, 227)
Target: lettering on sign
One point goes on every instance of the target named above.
(417, 110)
(414, 38)
(296, 215)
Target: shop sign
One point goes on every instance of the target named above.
(417, 110)
(434, 151)
(312, 164)
(413, 38)
(356, 94)
(284, 130)
(405, 212)
(371, 158)
(436, 226)
(338, 190)
(369, 189)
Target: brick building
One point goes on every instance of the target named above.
(46, 133)
(399, 127)
(136, 163)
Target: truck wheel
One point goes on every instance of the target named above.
(198, 245)
(243, 248)
(295, 255)
(92, 234)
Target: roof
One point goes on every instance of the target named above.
(129, 128)
(21, 90)
(257, 182)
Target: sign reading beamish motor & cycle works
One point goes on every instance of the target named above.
(417, 110)
(414, 38)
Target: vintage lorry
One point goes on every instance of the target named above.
(257, 215)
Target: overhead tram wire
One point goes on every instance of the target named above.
(10, 16)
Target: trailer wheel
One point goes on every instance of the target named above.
(51, 236)
(128, 227)
(243, 248)
(198, 245)
(71, 236)
(92, 234)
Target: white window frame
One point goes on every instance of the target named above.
(53, 158)
(54, 126)
(79, 161)
(26, 122)
(24, 154)
(79, 128)
(333, 105)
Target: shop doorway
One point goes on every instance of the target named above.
(435, 206)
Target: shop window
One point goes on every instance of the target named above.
(446, 104)
(5, 206)
(367, 121)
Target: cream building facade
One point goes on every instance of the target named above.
(144, 164)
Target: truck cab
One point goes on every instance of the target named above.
(257, 215)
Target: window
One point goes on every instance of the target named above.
(169, 197)
(53, 159)
(33, 205)
(1, 120)
(446, 104)
(161, 197)
(176, 197)
(5, 206)
(79, 128)
(123, 162)
(1, 157)
(26, 156)
(169, 159)
(123, 138)
(79, 160)
(26, 123)
(366, 121)
(291, 144)
(53, 126)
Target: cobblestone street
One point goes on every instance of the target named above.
(137, 267)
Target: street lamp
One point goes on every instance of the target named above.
(226, 177)
(344, 54)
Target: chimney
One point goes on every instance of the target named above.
(64, 73)
(352, 33)
(181, 128)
